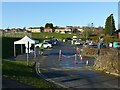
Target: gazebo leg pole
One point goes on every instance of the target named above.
(27, 58)
(34, 52)
(14, 51)
(21, 49)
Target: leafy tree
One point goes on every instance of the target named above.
(110, 25)
(42, 29)
(24, 29)
(49, 25)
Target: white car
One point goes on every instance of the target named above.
(77, 43)
(45, 44)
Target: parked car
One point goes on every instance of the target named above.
(102, 45)
(68, 39)
(116, 44)
(49, 41)
(85, 44)
(45, 44)
(74, 38)
(77, 43)
(54, 40)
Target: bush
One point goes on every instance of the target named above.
(8, 47)
(108, 61)
(88, 51)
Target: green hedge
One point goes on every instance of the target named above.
(8, 47)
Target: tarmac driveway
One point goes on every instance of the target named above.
(70, 75)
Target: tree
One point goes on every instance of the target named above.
(109, 25)
(49, 25)
(42, 29)
(24, 29)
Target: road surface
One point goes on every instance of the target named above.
(70, 75)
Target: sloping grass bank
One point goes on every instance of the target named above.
(108, 60)
(18, 70)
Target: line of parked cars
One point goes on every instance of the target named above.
(86, 43)
(48, 43)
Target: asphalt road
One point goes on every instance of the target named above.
(70, 75)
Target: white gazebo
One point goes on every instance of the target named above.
(27, 41)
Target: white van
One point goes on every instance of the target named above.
(74, 38)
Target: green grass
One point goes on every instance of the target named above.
(50, 35)
(18, 70)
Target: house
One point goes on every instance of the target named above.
(47, 29)
(80, 29)
(117, 33)
(62, 30)
(34, 29)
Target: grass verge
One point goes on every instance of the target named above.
(18, 70)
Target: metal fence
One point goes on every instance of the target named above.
(17, 34)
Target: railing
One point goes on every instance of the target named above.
(17, 34)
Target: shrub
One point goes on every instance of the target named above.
(108, 61)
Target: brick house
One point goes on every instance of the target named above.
(48, 30)
(117, 33)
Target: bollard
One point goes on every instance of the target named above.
(81, 58)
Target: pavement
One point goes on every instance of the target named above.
(12, 84)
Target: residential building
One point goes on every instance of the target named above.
(34, 29)
(47, 29)
(117, 33)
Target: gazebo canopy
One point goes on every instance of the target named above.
(25, 40)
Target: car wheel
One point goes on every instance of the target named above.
(48, 47)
